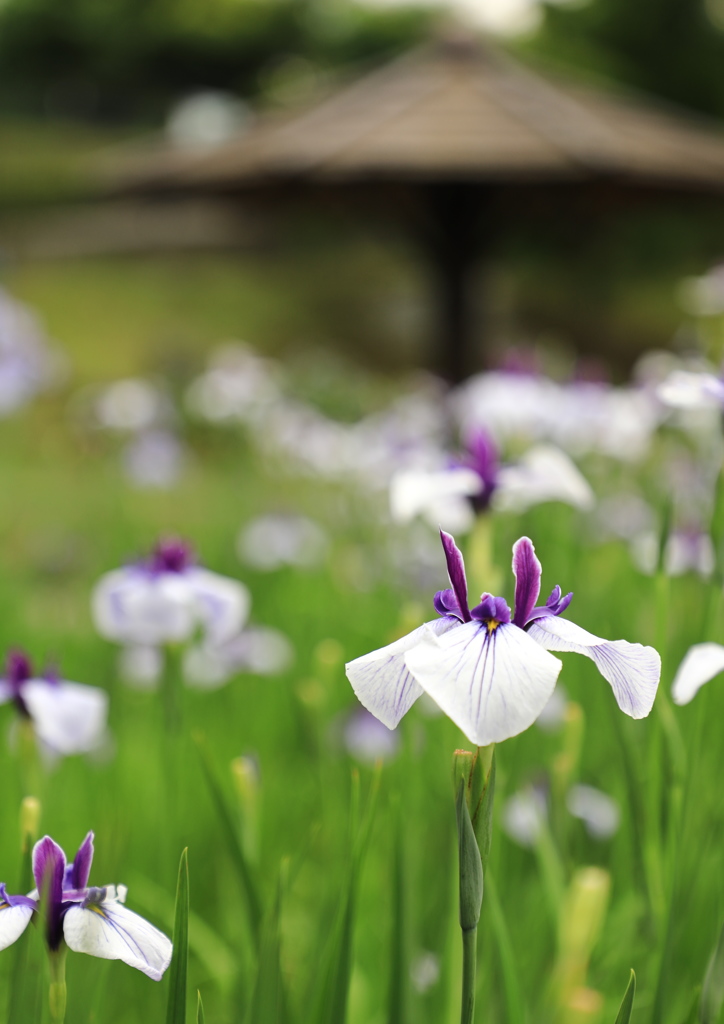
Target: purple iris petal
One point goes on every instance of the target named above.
(77, 873)
(482, 457)
(49, 872)
(555, 605)
(456, 572)
(171, 555)
(15, 901)
(491, 609)
(446, 603)
(527, 570)
(18, 671)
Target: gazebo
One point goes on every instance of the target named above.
(459, 139)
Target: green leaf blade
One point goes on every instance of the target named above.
(626, 1008)
(176, 1007)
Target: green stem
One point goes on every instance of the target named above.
(58, 991)
(470, 946)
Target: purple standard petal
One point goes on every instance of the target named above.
(632, 670)
(483, 458)
(78, 873)
(456, 572)
(527, 571)
(49, 872)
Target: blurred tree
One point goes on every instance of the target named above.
(670, 48)
(129, 59)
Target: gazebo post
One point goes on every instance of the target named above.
(451, 210)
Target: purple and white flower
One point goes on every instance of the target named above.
(68, 718)
(167, 599)
(489, 669)
(477, 480)
(84, 918)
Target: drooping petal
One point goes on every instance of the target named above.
(69, 717)
(381, 679)
(13, 921)
(527, 571)
(456, 572)
(111, 931)
(6, 691)
(493, 684)
(77, 873)
(701, 663)
(221, 604)
(545, 473)
(632, 669)
(133, 606)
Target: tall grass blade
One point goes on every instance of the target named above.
(268, 1003)
(333, 998)
(712, 991)
(200, 1018)
(626, 1008)
(397, 1006)
(176, 1007)
(233, 840)
(515, 1011)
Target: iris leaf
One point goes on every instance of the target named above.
(514, 1004)
(268, 1002)
(200, 1018)
(176, 1007)
(712, 991)
(624, 1013)
(233, 840)
(397, 1007)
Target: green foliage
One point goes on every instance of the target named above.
(178, 971)
(626, 1009)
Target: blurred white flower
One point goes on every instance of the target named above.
(424, 971)
(704, 295)
(154, 458)
(524, 816)
(166, 599)
(683, 389)
(130, 405)
(239, 385)
(701, 664)
(273, 541)
(27, 362)
(599, 812)
(367, 739)
(258, 650)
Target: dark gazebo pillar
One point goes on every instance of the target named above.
(452, 214)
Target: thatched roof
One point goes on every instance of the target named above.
(452, 111)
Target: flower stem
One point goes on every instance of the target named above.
(58, 990)
(470, 946)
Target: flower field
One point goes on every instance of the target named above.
(243, 505)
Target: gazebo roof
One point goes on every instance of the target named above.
(452, 110)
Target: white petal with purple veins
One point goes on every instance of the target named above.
(381, 679)
(493, 685)
(13, 922)
(113, 932)
(632, 670)
(545, 473)
(68, 717)
(221, 604)
(701, 663)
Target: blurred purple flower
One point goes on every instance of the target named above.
(68, 718)
(166, 598)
